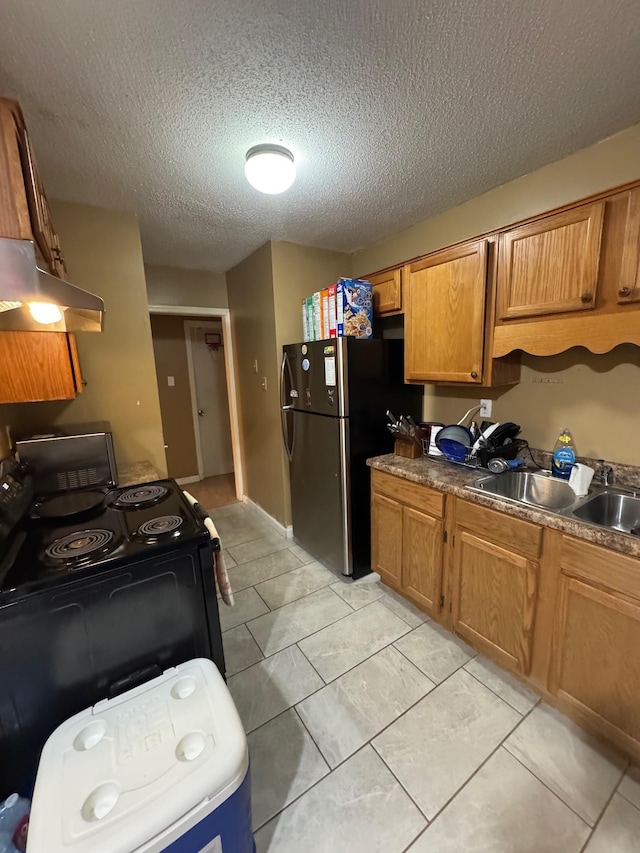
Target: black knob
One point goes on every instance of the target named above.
(624, 291)
(587, 297)
(474, 374)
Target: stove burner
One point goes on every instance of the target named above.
(68, 505)
(160, 526)
(81, 543)
(140, 496)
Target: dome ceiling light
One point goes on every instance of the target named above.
(270, 168)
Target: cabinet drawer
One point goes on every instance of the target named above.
(600, 565)
(517, 535)
(413, 494)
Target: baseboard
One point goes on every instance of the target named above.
(184, 481)
(287, 532)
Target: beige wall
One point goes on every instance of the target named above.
(170, 351)
(250, 289)
(178, 286)
(585, 392)
(299, 271)
(104, 255)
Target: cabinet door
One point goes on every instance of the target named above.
(494, 599)
(35, 366)
(550, 266)
(387, 292)
(629, 289)
(444, 303)
(595, 664)
(422, 558)
(386, 538)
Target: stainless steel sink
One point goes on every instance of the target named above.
(610, 509)
(528, 488)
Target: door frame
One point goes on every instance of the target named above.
(205, 314)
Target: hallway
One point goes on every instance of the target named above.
(214, 492)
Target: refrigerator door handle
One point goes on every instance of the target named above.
(285, 367)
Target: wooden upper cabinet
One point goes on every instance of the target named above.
(550, 266)
(38, 366)
(24, 209)
(444, 300)
(629, 285)
(387, 292)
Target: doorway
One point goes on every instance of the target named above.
(199, 403)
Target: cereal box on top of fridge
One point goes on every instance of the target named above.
(354, 300)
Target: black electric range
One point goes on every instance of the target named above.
(100, 590)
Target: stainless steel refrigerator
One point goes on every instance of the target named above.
(334, 395)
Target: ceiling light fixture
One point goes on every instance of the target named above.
(45, 312)
(270, 168)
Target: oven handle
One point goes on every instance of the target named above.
(206, 519)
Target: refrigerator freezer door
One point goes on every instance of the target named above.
(319, 369)
(320, 495)
(286, 407)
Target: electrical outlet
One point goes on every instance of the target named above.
(486, 407)
(255, 365)
(264, 383)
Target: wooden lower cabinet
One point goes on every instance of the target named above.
(38, 366)
(595, 668)
(386, 541)
(494, 599)
(422, 558)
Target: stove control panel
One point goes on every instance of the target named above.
(16, 493)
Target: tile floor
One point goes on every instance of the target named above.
(370, 728)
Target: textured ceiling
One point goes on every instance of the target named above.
(395, 109)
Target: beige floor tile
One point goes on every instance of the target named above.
(619, 829)
(347, 713)
(411, 614)
(301, 554)
(266, 543)
(262, 569)
(630, 785)
(505, 685)
(228, 559)
(285, 763)
(293, 585)
(342, 646)
(435, 651)
(579, 769)
(248, 605)
(504, 809)
(359, 593)
(289, 624)
(268, 688)
(359, 808)
(240, 649)
(438, 744)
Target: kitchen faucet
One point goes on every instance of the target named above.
(604, 473)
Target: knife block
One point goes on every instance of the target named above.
(407, 448)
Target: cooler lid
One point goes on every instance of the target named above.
(114, 776)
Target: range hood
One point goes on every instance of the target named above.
(28, 292)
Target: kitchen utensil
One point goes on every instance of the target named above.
(499, 465)
(392, 418)
(457, 433)
(483, 438)
(453, 450)
(505, 432)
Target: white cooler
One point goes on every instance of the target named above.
(163, 767)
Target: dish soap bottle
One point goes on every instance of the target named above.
(564, 455)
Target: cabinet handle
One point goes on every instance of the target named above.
(474, 374)
(587, 297)
(624, 291)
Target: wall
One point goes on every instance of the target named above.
(104, 255)
(250, 289)
(299, 271)
(178, 286)
(577, 389)
(170, 351)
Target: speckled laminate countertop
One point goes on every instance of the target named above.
(454, 479)
(137, 472)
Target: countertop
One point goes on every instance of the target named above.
(453, 479)
(137, 472)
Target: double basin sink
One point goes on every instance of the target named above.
(605, 506)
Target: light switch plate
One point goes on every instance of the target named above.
(486, 407)
(255, 365)
(264, 383)
(171, 381)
